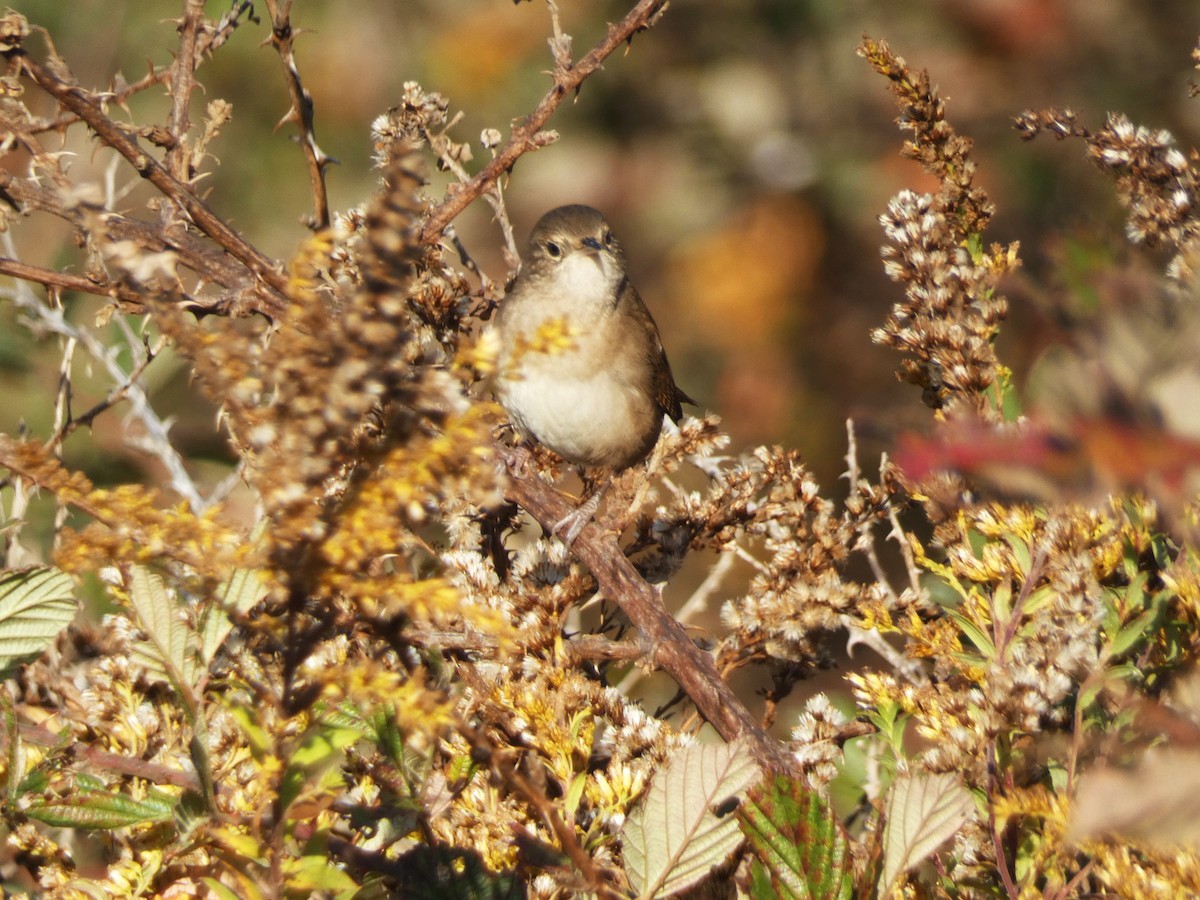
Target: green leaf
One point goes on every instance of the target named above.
(14, 770)
(240, 593)
(922, 812)
(320, 749)
(980, 638)
(171, 645)
(891, 722)
(676, 836)
(799, 848)
(35, 605)
(315, 874)
(1133, 632)
(99, 809)
(1020, 551)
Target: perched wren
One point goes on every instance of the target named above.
(599, 400)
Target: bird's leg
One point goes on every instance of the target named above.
(569, 526)
(520, 461)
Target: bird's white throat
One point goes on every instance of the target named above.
(591, 281)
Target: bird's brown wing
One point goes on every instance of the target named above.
(667, 394)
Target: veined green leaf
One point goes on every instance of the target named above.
(35, 605)
(677, 835)
(240, 593)
(800, 850)
(171, 645)
(96, 809)
(922, 812)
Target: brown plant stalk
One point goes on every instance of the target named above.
(667, 645)
(89, 108)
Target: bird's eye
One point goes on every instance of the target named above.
(553, 249)
(608, 238)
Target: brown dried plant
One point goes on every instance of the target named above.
(356, 666)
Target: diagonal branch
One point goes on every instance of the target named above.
(86, 105)
(207, 42)
(207, 261)
(527, 135)
(668, 645)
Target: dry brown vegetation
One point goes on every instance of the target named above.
(357, 665)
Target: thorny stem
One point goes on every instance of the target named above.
(183, 82)
(207, 41)
(667, 644)
(527, 135)
(62, 280)
(88, 107)
(210, 262)
(283, 38)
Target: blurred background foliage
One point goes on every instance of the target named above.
(741, 149)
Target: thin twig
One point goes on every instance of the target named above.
(91, 110)
(910, 669)
(865, 527)
(155, 441)
(283, 39)
(63, 281)
(183, 82)
(208, 40)
(115, 396)
(897, 534)
(103, 760)
(527, 135)
(209, 262)
(698, 602)
(568, 841)
(997, 841)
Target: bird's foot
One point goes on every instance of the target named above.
(519, 461)
(569, 526)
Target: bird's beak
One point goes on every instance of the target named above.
(592, 245)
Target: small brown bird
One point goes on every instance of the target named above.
(600, 400)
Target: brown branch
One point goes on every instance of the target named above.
(88, 107)
(209, 262)
(283, 40)
(156, 773)
(67, 282)
(527, 135)
(590, 647)
(667, 644)
(183, 82)
(207, 41)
